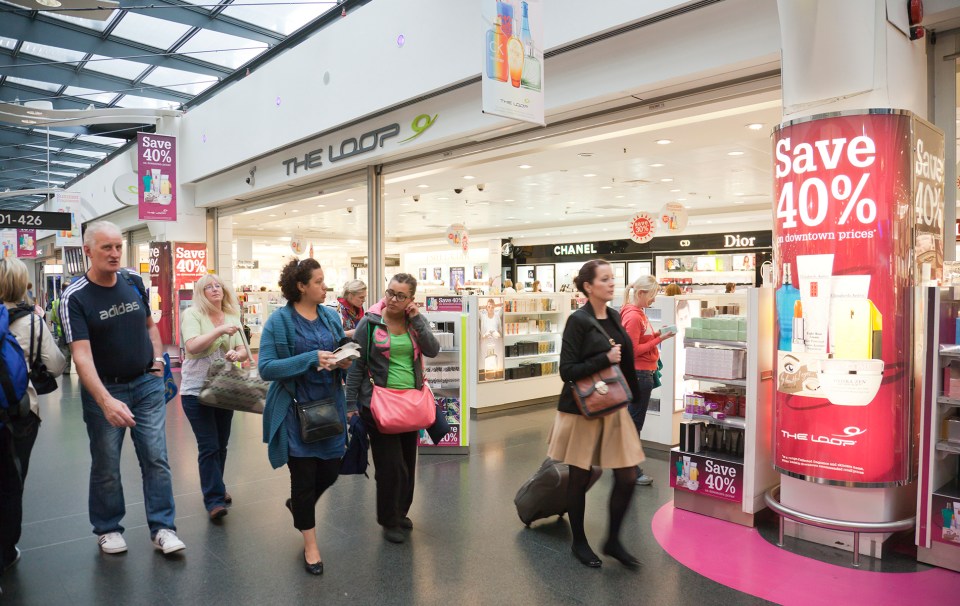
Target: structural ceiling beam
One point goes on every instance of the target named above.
(187, 14)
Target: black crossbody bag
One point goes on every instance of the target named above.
(319, 419)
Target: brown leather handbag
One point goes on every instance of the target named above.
(603, 392)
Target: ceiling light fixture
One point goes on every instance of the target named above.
(735, 153)
(590, 175)
(606, 187)
(423, 186)
(666, 180)
(321, 205)
(674, 191)
(533, 184)
(618, 197)
(469, 177)
(443, 198)
(52, 3)
(656, 165)
(663, 141)
(509, 200)
(755, 126)
(350, 200)
(524, 166)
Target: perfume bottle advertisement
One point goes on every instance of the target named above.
(847, 224)
(512, 73)
(490, 342)
(157, 177)
(26, 243)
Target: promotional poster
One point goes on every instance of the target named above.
(512, 76)
(67, 202)
(157, 177)
(26, 243)
(189, 265)
(161, 289)
(849, 246)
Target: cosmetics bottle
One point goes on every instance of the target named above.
(694, 473)
(515, 58)
(531, 65)
(146, 183)
(787, 295)
(497, 52)
(798, 345)
(505, 12)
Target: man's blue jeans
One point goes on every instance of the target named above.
(144, 397)
(212, 428)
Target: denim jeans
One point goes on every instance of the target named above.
(212, 428)
(144, 397)
(638, 408)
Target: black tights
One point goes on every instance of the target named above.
(625, 480)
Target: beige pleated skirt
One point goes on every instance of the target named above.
(610, 442)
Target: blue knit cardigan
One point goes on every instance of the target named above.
(278, 363)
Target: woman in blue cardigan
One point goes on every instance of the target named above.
(296, 354)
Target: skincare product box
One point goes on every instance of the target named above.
(691, 436)
(716, 363)
(951, 429)
(951, 382)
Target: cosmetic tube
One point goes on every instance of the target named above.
(816, 279)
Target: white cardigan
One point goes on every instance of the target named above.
(50, 354)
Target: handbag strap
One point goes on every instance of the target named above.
(597, 324)
(34, 361)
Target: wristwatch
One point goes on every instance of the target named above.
(156, 361)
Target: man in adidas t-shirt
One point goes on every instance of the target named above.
(116, 348)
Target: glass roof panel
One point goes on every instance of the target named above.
(206, 40)
(179, 80)
(123, 68)
(281, 16)
(7, 43)
(102, 140)
(34, 83)
(51, 52)
(150, 30)
(88, 153)
(133, 101)
(51, 181)
(206, 3)
(99, 26)
(89, 95)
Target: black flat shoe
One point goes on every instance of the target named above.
(620, 554)
(314, 569)
(393, 534)
(588, 559)
(406, 523)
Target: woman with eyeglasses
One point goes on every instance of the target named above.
(210, 330)
(394, 338)
(296, 353)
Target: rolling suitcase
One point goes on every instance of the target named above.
(545, 494)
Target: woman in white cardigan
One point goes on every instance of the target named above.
(18, 436)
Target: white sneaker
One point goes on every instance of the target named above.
(166, 540)
(112, 542)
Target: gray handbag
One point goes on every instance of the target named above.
(233, 388)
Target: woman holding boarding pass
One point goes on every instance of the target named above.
(393, 339)
(296, 353)
(593, 340)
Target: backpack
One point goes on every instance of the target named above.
(14, 400)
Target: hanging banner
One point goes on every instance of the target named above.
(189, 265)
(846, 229)
(26, 243)
(157, 177)
(643, 227)
(673, 217)
(67, 202)
(161, 289)
(298, 244)
(512, 72)
(458, 237)
(8, 243)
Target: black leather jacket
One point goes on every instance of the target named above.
(584, 352)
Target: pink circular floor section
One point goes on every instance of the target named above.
(738, 557)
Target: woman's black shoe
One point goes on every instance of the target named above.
(316, 569)
(617, 552)
(586, 556)
(406, 523)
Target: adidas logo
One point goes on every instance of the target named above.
(119, 309)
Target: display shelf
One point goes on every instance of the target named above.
(950, 354)
(720, 456)
(532, 357)
(527, 379)
(733, 382)
(948, 401)
(688, 342)
(514, 338)
(734, 422)
(449, 351)
(948, 446)
(448, 374)
(514, 314)
(950, 490)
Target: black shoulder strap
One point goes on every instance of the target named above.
(139, 288)
(596, 323)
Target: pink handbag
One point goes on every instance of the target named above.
(403, 410)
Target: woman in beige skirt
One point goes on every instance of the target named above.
(594, 339)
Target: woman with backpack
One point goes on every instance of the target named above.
(19, 430)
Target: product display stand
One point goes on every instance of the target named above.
(257, 307)
(446, 374)
(938, 498)
(724, 465)
(514, 356)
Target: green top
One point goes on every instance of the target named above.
(400, 375)
(194, 323)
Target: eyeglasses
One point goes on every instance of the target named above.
(213, 286)
(399, 296)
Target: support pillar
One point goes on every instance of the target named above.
(376, 256)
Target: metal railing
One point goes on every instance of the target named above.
(772, 499)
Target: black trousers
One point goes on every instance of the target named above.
(395, 460)
(309, 478)
(16, 444)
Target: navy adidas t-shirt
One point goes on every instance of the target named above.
(114, 320)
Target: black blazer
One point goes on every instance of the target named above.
(584, 352)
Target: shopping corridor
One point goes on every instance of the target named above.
(468, 546)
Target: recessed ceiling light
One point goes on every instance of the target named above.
(606, 187)
(404, 204)
(295, 210)
(511, 218)
(509, 200)
(26, 120)
(739, 194)
(755, 126)
(530, 208)
(709, 221)
(738, 201)
(352, 200)
(524, 166)
(674, 191)
(681, 199)
(547, 214)
(735, 153)
(321, 205)
(533, 184)
(656, 165)
(604, 229)
(590, 175)
(423, 186)
(260, 229)
(469, 177)
(526, 222)
(664, 141)
(584, 155)
(443, 198)
(666, 180)
(386, 194)
(271, 215)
